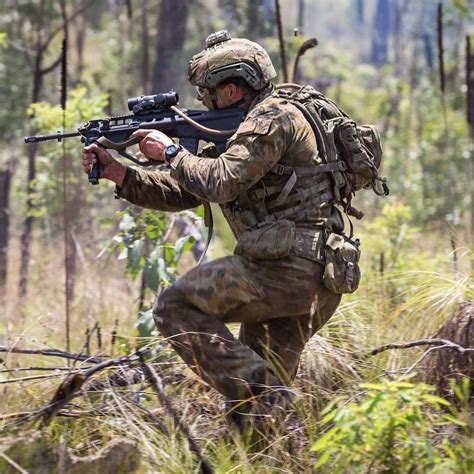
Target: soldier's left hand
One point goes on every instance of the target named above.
(153, 144)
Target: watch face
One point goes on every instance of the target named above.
(172, 150)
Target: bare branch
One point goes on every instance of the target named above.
(444, 343)
(157, 384)
(52, 66)
(55, 353)
(51, 36)
(69, 387)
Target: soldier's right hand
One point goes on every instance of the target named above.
(110, 168)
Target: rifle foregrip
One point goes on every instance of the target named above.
(94, 174)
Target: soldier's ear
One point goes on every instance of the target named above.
(232, 90)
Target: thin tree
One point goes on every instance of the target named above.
(380, 33)
(168, 69)
(40, 45)
(470, 117)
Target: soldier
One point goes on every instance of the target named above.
(278, 207)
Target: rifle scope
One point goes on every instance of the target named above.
(144, 103)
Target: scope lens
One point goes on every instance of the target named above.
(132, 102)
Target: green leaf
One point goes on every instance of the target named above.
(150, 273)
(323, 459)
(135, 254)
(182, 245)
(434, 400)
(145, 324)
(323, 442)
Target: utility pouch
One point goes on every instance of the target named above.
(268, 241)
(341, 264)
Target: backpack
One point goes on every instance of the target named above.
(352, 153)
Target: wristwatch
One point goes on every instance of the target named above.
(172, 151)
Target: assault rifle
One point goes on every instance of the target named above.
(155, 112)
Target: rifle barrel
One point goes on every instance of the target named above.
(55, 136)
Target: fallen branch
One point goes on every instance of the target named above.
(42, 369)
(157, 384)
(50, 375)
(69, 387)
(55, 353)
(442, 343)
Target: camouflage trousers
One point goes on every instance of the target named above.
(279, 303)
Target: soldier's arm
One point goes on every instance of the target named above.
(257, 146)
(150, 189)
(155, 190)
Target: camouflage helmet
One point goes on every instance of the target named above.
(226, 57)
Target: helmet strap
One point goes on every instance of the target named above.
(213, 96)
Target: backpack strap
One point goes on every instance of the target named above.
(303, 171)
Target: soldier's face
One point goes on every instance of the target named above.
(203, 94)
(223, 95)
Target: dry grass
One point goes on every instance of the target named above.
(333, 364)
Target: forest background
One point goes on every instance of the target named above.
(79, 269)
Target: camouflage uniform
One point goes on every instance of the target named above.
(277, 208)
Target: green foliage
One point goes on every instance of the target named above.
(49, 198)
(392, 429)
(392, 234)
(143, 242)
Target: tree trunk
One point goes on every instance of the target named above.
(301, 13)
(145, 49)
(255, 20)
(360, 7)
(5, 177)
(168, 70)
(32, 148)
(380, 34)
(80, 42)
(470, 116)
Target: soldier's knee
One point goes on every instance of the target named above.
(163, 308)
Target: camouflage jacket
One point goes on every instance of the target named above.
(259, 179)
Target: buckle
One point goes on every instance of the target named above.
(279, 169)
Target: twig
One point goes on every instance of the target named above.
(69, 387)
(157, 385)
(156, 421)
(55, 353)
(420, 359)
(308, 44)
(46, 376)
(32, 377)
(30, 369)
(443, 343)
(66, 413)
(13, 463)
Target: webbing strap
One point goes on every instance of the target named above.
(316, 201)
(302, 171)
(209, 223)
(266, 191)
(290, 184)
(301, 195)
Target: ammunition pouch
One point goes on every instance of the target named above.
(279, 239)
(267, 241)
(341, 264)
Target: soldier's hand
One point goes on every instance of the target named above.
(110, 168)
(153, 143)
